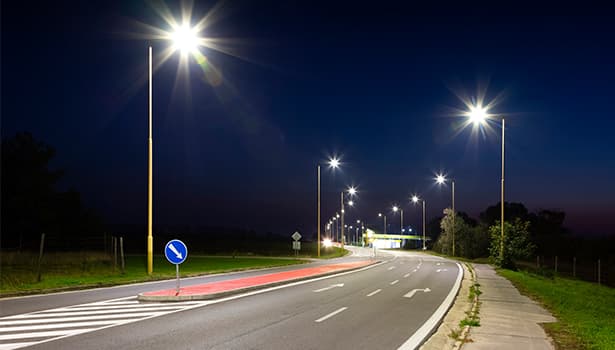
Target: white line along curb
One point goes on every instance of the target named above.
(426, 329)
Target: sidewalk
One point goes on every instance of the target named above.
(224, 288)
(508, 320)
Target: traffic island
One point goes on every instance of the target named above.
(221, 289)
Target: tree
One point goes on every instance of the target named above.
(511, 211)
(517, 243)
(471, 240)
(27, 185)
(30, 202)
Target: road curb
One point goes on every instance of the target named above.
(211, 296)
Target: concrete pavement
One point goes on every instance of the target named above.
(508, 320)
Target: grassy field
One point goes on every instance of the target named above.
(586, 311)
(62, 271)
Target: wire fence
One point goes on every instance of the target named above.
(598, 270)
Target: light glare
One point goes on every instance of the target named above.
(477, 114)
(184, 39)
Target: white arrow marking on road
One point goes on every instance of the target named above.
(441, 270)
(174, 250)
(411, 293)
(330, 287)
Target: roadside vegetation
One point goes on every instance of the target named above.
(585, 311)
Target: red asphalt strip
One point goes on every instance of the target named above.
(225, 286)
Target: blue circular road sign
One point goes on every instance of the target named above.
(176, 251)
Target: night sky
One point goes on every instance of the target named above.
(378, 84)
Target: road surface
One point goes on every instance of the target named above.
(391, 305)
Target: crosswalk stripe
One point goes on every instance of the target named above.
(18, 331)
(99, 312)
(8, 346)
(44, 334)
(81, 318)
(55, 326)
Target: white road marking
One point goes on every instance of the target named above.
(44, 334)
(331, 314)
(48, 325)
(7, 346)
(441, 270)
(391, 268)
(339, 285)
(407, 275)
(54, 326)
(411, 293)
(374, 292)
(80, 318)
(415, 270)
(428, 326)
(394, 282)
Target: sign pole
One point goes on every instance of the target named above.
(177, 276)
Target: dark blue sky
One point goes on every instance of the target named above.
(375, 84)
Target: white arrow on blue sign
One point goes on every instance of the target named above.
(176, 251)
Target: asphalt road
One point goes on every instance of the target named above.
(386, 306)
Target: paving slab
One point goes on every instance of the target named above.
(508, 319)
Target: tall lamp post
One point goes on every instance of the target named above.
(333, 163)
(184, 38)
(351, 191)
(478, 115)
(441, 179)
(401, 211)
(385, 221)
(415, 199)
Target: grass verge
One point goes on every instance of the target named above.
(586, 311)
(63, 271)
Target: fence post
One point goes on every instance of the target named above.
(598, 271)
(556, 264)
(122, 254)
(574, 266)
(40, 258)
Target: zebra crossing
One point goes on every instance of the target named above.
(23, 330)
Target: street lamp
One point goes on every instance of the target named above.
(395, 209)
(415, 200)
(184, 38)
(351, 191)
(385, 221)
(440, 180)
(334, 164)
(479, 115)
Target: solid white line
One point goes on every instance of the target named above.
(56, 325)
(43, 334)
(9, 346)
(374, 292)
(406, 275)
(426, 329)
(394, 282)
(331, 314)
